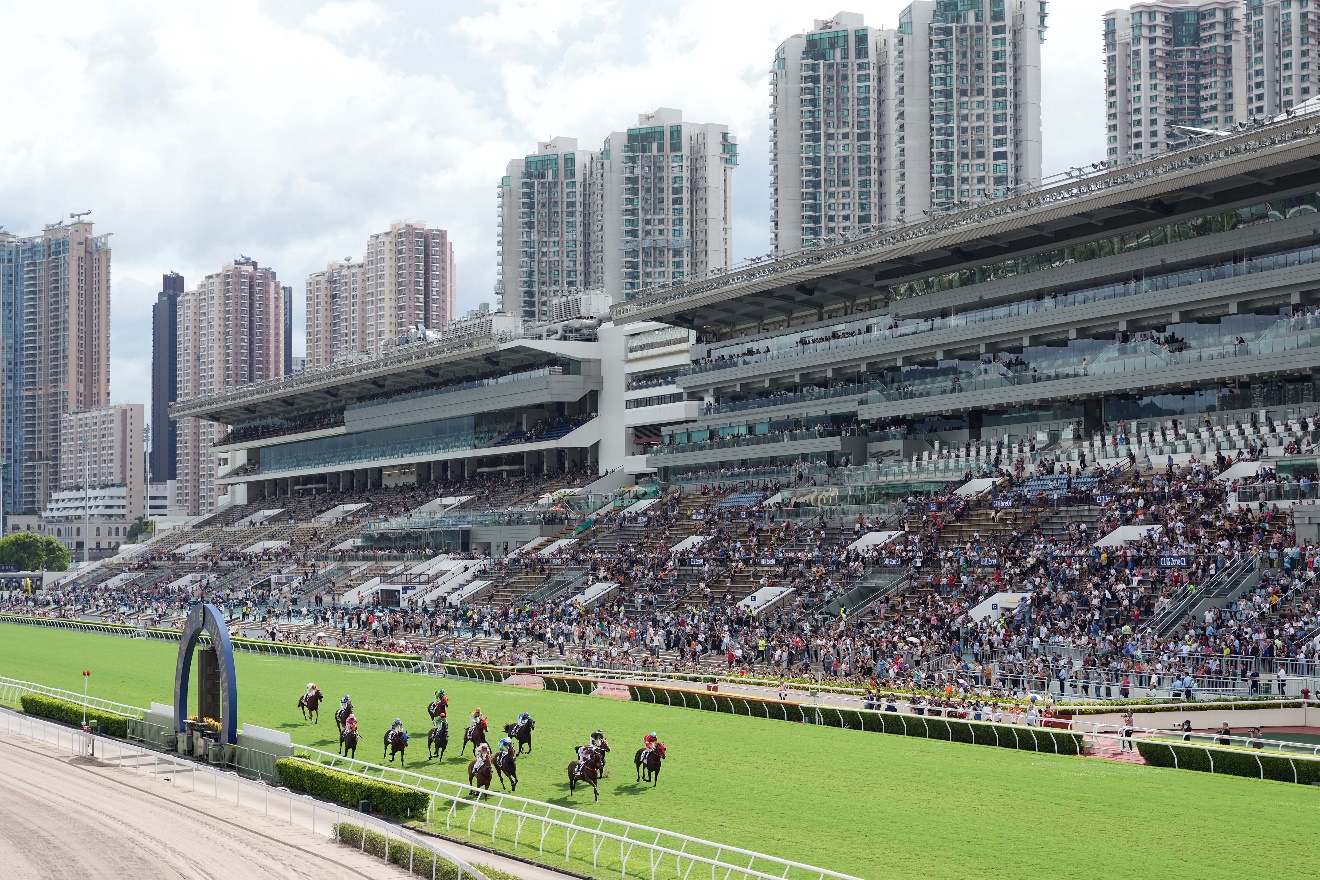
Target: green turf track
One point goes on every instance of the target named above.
(861, 803)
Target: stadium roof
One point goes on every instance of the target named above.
(1236, 168)
(408, 367)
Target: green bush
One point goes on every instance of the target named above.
(1235, 762)
(566, 685)
(1037, 739)
(346, 788)
(420, 861)
(66, 712)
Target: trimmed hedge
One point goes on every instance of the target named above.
(564, 685)
(347, 789)
(1235, 762)
(415, 860)
(1034, 739)
(66, 712)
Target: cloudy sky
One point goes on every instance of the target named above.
(290, 130)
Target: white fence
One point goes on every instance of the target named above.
(576, 837)
(318, 817)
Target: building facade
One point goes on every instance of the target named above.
(665, 203)
(871, 126)
(55, 335)
(1210, 64)
(164, 377)
(103, 449)
(231, 334)
(407, 278)
(543, 250)
(654, 204)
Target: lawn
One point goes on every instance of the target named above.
(862, 803)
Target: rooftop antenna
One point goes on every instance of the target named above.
(77, 216)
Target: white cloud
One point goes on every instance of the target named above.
(291, 131)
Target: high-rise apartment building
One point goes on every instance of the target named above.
(1203, 64)
(407, 278)
(288, 329)
(665, 206)
(101, 456)
(871, 126)
(164, 377)
(55, 341)
(230, 334)
(542, 247)
(654, 204)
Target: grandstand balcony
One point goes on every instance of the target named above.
(788, 445)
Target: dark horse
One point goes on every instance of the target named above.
(395, 743)
(522, 732)
(437, 707)
(310, 704)
(648, 760)
(481, 777)
(348, 741)
(341, 715)
(475, 734)
(587, 771)
(506, 764)
(437, 740)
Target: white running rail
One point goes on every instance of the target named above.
(317, 816)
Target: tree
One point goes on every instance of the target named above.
(29, 551)
(141, 527)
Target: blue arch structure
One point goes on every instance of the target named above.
(208, 619)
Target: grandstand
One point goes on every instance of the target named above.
(840, 457)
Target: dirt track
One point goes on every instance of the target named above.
(64, 816)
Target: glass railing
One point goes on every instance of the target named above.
(453, 389)
(1287, 334)
(529, 517)
(749, 440)
(789, 347)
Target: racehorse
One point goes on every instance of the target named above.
(348, 741)
(310, 704)
(437, 740)
(506, 764)
(436, 707)
(648, 760)
(341, 715)
(522, 732)
(395, 743)
(475, 734)
(586, 771)
(482, 777)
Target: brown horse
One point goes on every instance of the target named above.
(395, 743)
(310, 704)
(587, 771)
(506, 764)
(475, 734)
(348, 741)
(437, 707)
(648, 761)
(481, 777)
(437, 740)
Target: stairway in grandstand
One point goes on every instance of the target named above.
(1234, 580)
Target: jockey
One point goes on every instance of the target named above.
(343, 704)
(524, 718)
(477, 719)
(482, 755)
(350, 723)
(441, 698)
(311, 688)
(598, 739)
(439, 721)
(397, 725)
(506, 746)
(650, 741)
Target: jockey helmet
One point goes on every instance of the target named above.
(442, 715)
(398, 722)
(476, 711)
(653, 736)
(311, 685)
(599, 733)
